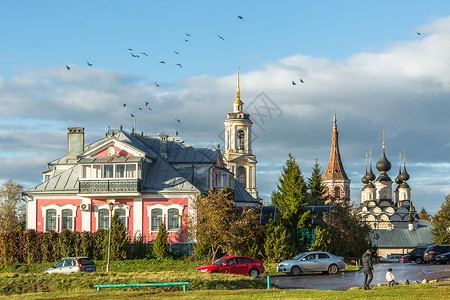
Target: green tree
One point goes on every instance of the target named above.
(12, 207)
(441, 223)
(161, 243)
(315, 186)
(290, 196)
(119, 240)
(342, 232)
(279, 244)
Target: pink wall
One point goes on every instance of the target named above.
(40, 217)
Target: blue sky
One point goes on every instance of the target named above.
(360, 59)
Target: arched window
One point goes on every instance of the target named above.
(241, 140)
(103, 219)
(122, 216)
(156, 218)
(173, 222)
(241, 176)
(337, 192)
(50, 220)
(67, 219)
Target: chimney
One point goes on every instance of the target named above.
(75, 143)
(163, 144)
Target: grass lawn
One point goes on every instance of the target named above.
(29, 282)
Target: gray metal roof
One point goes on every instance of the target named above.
(241, 194)
(403, 237)
(66, 181)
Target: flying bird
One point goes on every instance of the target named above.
(89, 64)
(130, 49)
(134, 55)
(301, 80)
(132, 116)
(186, 40)
(140, 108)
(187, 34)
(146, 103)
(124, 104)
(176, 52)
(156, 83)
(162, 62)
(144, 53)
(293, 82)
(178, 120)
(419, 33)
(67, 67)
(221, 37)
(240, 18)
(179, 65)
(149, 108)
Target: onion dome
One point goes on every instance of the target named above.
(404, 176)
(370, 175)
(364, 179)
(383, 165)
(398, 179)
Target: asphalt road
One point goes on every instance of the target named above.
(345, 280)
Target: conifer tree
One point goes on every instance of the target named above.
(424, 215)
(441, 224)
(290, 196)
(278, 245)
(316, 189)
(161, 244)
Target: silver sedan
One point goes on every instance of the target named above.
(312, 262)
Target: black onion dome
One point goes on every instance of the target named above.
(404, 176)
(383, 165)
(398, 179)
(364, 179)
(370, 175)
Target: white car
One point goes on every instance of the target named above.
(392, 258)
(312, 262)
(72, 265)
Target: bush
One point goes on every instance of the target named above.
(161, 245)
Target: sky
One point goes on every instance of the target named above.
(379, 65)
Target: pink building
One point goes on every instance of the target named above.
(151, 179)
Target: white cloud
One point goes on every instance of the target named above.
(403, 89)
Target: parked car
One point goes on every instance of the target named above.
(443, 258)
(312, 262)
(240, 265)
(392, 258)
(415, 255)
(430, 253)
(72, 265)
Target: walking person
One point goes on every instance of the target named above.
(368, 268)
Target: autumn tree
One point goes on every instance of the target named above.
(290, 196)
(12, 207)
(424, 215)
(220, 228)
(441, 223)
(317, 189)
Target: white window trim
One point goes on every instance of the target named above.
(116, 206)
(102, 165)
(59, 209)
(165, 214)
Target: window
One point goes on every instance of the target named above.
(122, 216)
(120, 171)
(59, 264)
(131, 171)
(241, 176)
(47, 177)
(96, 171)
(67, 219)
(108, 171)
(50, 220)
(323, 256)
(337, 192)
(173, 223)
(156, 218)
(103, 219)
(241, 140)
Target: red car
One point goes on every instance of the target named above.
(239, 265)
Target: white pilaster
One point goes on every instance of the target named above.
(86, 216)
(31, 214)
(137, 216)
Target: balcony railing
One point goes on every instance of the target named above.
(109, 186)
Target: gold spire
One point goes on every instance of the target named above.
(366, 160)
(238, 91)
(400, 156)
(383, 139)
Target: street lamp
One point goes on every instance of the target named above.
(111, 207)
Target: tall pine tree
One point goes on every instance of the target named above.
(441, 223)
(316, 189)
(290, 196)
